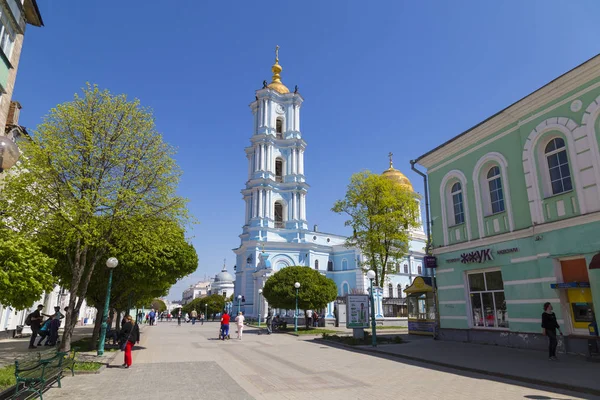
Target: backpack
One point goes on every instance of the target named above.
(28, 320)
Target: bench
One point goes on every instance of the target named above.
(36, 372)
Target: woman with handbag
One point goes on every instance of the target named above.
(130, 334)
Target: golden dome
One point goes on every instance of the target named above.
(396, 176)
(276, 84)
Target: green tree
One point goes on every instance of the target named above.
(95, 163)
(316, 290)
(214, 304)
(25, 271)
(159, 305)
(382, 214)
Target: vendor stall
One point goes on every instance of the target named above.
(421, 308)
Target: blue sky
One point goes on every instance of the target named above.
(380, 76)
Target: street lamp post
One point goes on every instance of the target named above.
(297, 286)
(371, 276)
(239, 302)
(206, 311)
(111, 264)
(259, 303)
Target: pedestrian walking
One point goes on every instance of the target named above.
(225, 326)
(194, 315)
(239, 320)
(179, 318)
(549, 327)
(130, 334)
(269, 322)
(152, 316)
(309, 315)
(202, 319)
(34, 320)
(315, 319)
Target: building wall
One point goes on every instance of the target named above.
(537, 230)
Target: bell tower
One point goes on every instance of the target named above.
(275, 192)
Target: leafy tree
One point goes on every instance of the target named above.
(159, 305)
(214, 303)
(316, 290)
(25, 271)
(382, 214)
(95, 163)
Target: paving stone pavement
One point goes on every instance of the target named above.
(188, 362)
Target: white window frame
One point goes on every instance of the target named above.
(470, 304)
(547, 166)
(496, 177)
(446, 202)
(4, 22)
(459, 193)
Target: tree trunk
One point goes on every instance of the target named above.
(97, 326)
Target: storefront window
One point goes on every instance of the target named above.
(488, 304)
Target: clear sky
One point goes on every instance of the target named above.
(376, 76)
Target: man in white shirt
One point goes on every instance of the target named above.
(308, 318)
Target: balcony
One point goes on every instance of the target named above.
(279, 179)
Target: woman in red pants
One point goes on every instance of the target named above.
(130, 334)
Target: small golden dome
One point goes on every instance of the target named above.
(276, 80)
(396, 176)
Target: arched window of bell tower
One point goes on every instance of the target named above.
(279, 128)
(278, 215)
(278, 169)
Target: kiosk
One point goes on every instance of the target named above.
(421, 310)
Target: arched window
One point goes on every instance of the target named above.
(279, 169)
(399, 287)
(316, 264)
(495, 186)
(279, 128)
(278, 215)
(345, 289)
(344, 264)
(406, 268)
(558, 166)
(391, 290)
(457, 203)
(329, 265)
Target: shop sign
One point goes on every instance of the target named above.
(430, 262)
(570, 285)
(480, 256)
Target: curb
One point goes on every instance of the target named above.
(540, 382)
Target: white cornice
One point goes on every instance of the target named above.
(517, 113)
(523, 233)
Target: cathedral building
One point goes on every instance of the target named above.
(275, 233)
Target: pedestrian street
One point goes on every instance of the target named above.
(189, 362)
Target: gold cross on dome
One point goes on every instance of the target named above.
(390, 155)
(276, 53)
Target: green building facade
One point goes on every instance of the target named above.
(515, 213)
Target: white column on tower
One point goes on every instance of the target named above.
(297, 118)
(303, 206)
(260, 203)
(254, 204)
(294, 170)
(301, 162)
(264, 113)
(270, 158)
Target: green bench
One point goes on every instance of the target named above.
(35, 373)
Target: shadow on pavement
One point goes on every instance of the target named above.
(556, 388)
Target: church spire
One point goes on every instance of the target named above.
(276, 79)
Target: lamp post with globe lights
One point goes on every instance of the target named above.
(371, 276)
(239, 302)
(297, 286)
(111, 264)
(259, 304)
(9, 153)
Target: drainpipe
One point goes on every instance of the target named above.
(428, 225)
